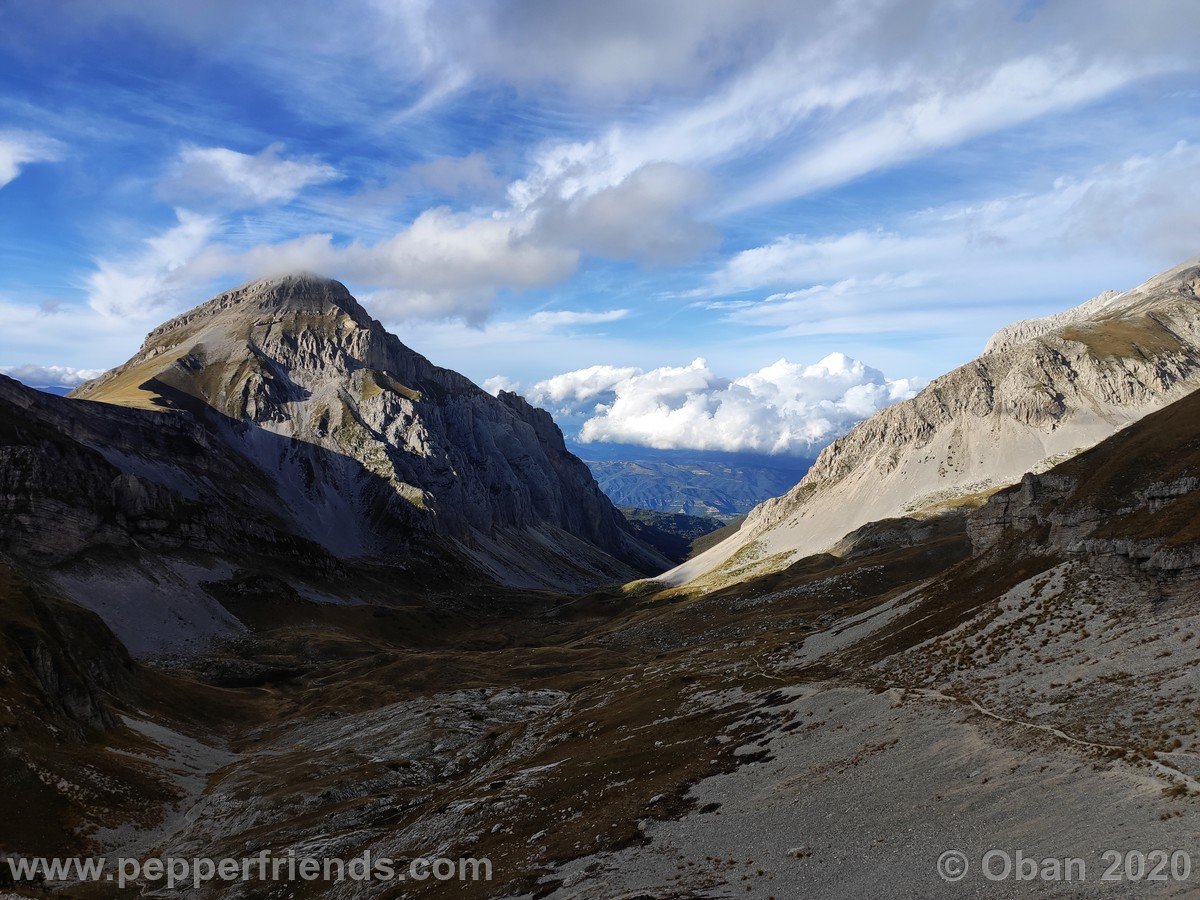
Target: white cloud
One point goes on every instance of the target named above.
(449, 263)
(783, 408)
(618, 48)
(876, 80)
(242, 179)
(647, 217)
(50, 376)
(453, 176)
(937, 117)
(571, 389)
(843, 90)
(498, 383)
(152, 280)
(993, 252)
(19, 148)
(811, 93)
(445, 264)
(554, 318)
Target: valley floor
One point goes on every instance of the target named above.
(830, 731)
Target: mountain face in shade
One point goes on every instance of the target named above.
(1042, 391)
(366, 443)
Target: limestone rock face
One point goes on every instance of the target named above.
(365, 440)
(1043, 391)
(1129, 504)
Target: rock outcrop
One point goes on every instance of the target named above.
(1131, 503)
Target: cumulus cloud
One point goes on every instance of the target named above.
(498, 383)
(573, 389)
(242, 179)
(50, 376)
(784, 408)
(19, 148)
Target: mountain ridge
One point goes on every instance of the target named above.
(1042, 391)
(299, 357)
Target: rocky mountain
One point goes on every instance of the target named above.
(1015, 671)
(1130, 504)
(1042, 391)
(278, 425)
(1019, 675)
(352, 426)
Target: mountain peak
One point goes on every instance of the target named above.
(360, 434)
(1182, 283)
(292, 328)
(295, 285)
(302, 293)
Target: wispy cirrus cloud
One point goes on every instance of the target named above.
(20, 148)
(151, 280)
(949, 258)
(242, 179)
(934, 116)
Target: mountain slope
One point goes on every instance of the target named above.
(1132, 501)
(1042, 391)
(375, 437)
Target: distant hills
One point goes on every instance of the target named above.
(674, 535)
(696, 483)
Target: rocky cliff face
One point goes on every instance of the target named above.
(1042, 391)
(81, 477)
(1130, 504)
(363, 438)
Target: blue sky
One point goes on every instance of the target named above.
(602, 194)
